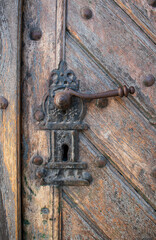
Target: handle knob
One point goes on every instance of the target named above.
(62, 99)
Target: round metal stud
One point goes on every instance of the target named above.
(3, 103)
(100, 161)
(41, 173)
(39, 115)
(35, 34)
(86, 13)
(37, 160)
(149, 80)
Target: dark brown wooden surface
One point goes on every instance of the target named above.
(110, 206)
(142, 13)
(41, 218)
(119, 130)
(10, 211)
(118, 45)
(114, 47)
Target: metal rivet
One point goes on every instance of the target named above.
(41, 173)
(102, 103)
(87, 176)
(149, 80)
(35, 34)
(101, 161)
(86, 13)
(39, 115)
(153, 174)
(3, 103)
(152, 3)
(37, 160)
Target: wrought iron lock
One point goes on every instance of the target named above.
(62, 114)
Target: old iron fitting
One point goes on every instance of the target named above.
(63, 115)
(62, 99)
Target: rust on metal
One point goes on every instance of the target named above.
(40, 173)
(149, 80)
(86, 13)
(37, 160)
(101, 161)
(3, 103)
(39, 115)
(64, 166)
(35, 34)
(63, 99)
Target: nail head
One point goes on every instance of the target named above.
(86, 13)
(40, 173)
(149, 80)
(39, 115)
(101, 161)
(37, 160)
(35, 34)
(3, 103)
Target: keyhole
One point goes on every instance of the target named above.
(65, 149)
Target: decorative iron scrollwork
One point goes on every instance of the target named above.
(62, 113)
(64, 167)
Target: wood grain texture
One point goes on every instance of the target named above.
(119, 130)
(38, 59)
(118, 45)
(142, 13)
(60, 30)
(109, 204)
(76, 225)
(10, 22)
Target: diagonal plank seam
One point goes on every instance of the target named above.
(139, 107)
(125, 178)
(138, 22)
(83, 215)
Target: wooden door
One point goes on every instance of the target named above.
(107, 44)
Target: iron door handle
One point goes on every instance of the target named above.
(3, 103)
(62, 99)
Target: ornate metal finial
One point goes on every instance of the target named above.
(62, 78)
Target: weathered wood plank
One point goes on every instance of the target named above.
(77, 225)
(4, 234)
(38, 60)
(142, 13)
(10, 23)
(118, 45)
(119, 129)
(60, 31)
(110, 203)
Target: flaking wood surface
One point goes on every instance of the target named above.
(38, 59)
(142, 13)
(110, 206)
(119, 130)
(9, 120)
(75, 225)
(118, 45)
